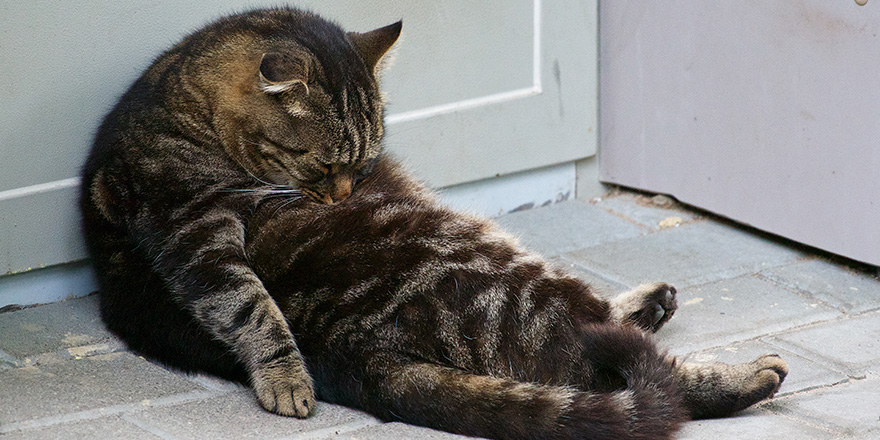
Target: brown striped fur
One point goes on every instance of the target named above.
(244, 222)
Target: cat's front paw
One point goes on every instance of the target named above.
(648, 306)
(284, 386)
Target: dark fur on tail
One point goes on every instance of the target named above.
(630, 393)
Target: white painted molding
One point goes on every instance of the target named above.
(536, 47)
(39, 188)
(455, 107)
(495, 98)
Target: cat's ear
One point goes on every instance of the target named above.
(283, 71)
(373, 45)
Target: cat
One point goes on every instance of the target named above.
(244, 221)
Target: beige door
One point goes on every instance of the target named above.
(767, 112)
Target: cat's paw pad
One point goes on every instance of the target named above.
(285, 388)
(648, 306)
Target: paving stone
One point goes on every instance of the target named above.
(604, 288)
(852, 344)
(688, 255)
(238, 416)
(803, 373)
(8, 361)
(736, 309)
(51, 327)
(838, 286)
(54, 389)
(853, 408)
(396, 431)
(752, 424)
(641, 210)
(566, 226)
(216, 383)
(101, 429)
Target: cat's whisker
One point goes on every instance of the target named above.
(284, 191)
(265, 191)
(287, 203)
(270, 184)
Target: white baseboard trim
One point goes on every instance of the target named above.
(47, 285)
(515, 192)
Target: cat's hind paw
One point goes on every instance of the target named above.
(769, 371)
(284, 388)
(719, 390)
(648, 306)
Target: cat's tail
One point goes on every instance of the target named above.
(648, 407)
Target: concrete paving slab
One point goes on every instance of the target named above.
(565, 227)
(852, 344)
(841, 287)
(47, 390)
(688, 255)
(238, 416)
(852, 408)
(51, 327)
(602, 287)
(654, 214)
(8, 361)
(113, 427)
(216, 384)
(753, 424)
(396, 431)
(804, 374)
(736, 309)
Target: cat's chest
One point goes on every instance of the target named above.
(312, 235)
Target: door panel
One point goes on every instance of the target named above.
(762, 111)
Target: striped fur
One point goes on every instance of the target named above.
(244, 222)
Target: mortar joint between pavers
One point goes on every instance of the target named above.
(803, 293)
(146, 426)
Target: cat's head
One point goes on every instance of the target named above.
(307, 111)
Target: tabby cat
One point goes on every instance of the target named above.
(244, 222)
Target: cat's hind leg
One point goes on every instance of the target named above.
(648, 306)
(718, 390)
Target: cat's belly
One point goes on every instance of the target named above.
(411, 276)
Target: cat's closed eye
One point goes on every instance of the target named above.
(364, 170)
(314, 175)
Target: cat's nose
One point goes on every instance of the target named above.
(342, 187)
(336, 198)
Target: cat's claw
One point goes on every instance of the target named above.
(659, 313)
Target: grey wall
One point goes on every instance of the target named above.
(767, 112)
(478, 89)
